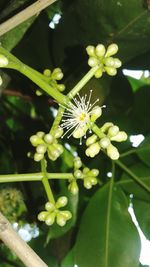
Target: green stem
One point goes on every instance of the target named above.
(46, 182)
(133, 175)
(97, 131)
(57, 120)
(82, 82)
(32, 177)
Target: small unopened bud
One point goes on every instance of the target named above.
(117, 63)
(35, 140)
(57, 74)
(106, 126)
(50, 219)
(111, 50)
(61, 202)
(42, 216)
(67, 214)
(96, 113)
(47, 72)
(40, 134)
(38, 157)
(109, 62)
(98, 74)
(48, 138)
(77, 163)
(41, 149)
(100, 50)
(87, 183)
(3, 61)
(104, 142)
(111, 71)
(79, 132)
(93, 150)
(90, 50)
(60, 219)
(113, 131)
(73, 187)
(94, 172)
(49, 206)
(61, 87)
(120, 137)
(92, 61)
(91, 140)
(78, 174)
(58, 132)
(112, 152)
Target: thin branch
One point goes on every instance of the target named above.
(24, 15)
(12, 240)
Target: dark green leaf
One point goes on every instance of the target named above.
(68, 261)
(107, 236)
(144, 153)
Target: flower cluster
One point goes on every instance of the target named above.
(99, 56)
(47, 143)
(110, 133)
(53, 77)
(53, 212)
(80, 115)
(88, 176)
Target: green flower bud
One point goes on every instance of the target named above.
(38, 93)
(86, 170)
(49, 206)
(77, 163)
(98, 74)
(3, 61)
(61, 202)
(60, 219)
(57, 74)
(35, 140)
(91, 140)
(117, 63)
(93, 61)
(40, 134)
(50, 218)
(104, 142)
(120, 137)
(90, 50)
(106, 126)
(93, 150)
(100, 50)
(67, 214)
(59, 148)
(93, 180)
(96, 113)
(94, 172)
(111, 71)
(87, 183)
(78, 174)
(112, 152)
(73, 187)
(109, 62)
(41, 149)
(113, 131)
(48, 138)
(79, 132)
(38, 157)
(1, 81)
(61, 87)
(42, 216)
(111, 50)
(47, 72)
(58, 132)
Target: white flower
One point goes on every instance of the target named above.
(77, 117)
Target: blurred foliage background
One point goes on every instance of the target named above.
(87, 240)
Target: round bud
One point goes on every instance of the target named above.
(40, 134)
(34, 139)
(50, 218)
(87, 183)
(120, 137)
(94, 172)
(78, 174)
(77, 163)
(60, 219)
(57, 74)
(41, 149)
(86, 170)
(42, 216)
(47, 72)
(117, 63)
(49, 206)
(61, 87)
(96, 113)
(109, 62)
(106, 126)
(59, 148)
(93, 180)
(79, 132)
(73, 187)
(104, 142)
(92, 62)
(38, 157)
(111, 71)
(3, 61)
(59, 132)
(92, 139)
(48, 138)
(1, 81)
(67, 214)
(111, 50)
(113, 131)
(90, 50)
(112, 152)
(38, 93)
(93, 150)
(100, 50)
(98, 74)
(61, 202)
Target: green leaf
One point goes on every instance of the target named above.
(107, 236)
(68, 261)
(131, 187)
(144, 153)
(141, 209)
(135, 84)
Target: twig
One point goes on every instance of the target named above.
(12, 240)
(24, 15)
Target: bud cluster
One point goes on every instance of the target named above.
(47, 143)
(99, 56)
(88, 176)
(53, 77)
(53, 212)
(111, 133)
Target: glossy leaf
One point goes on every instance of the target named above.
(144, 153)
(107, 236)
